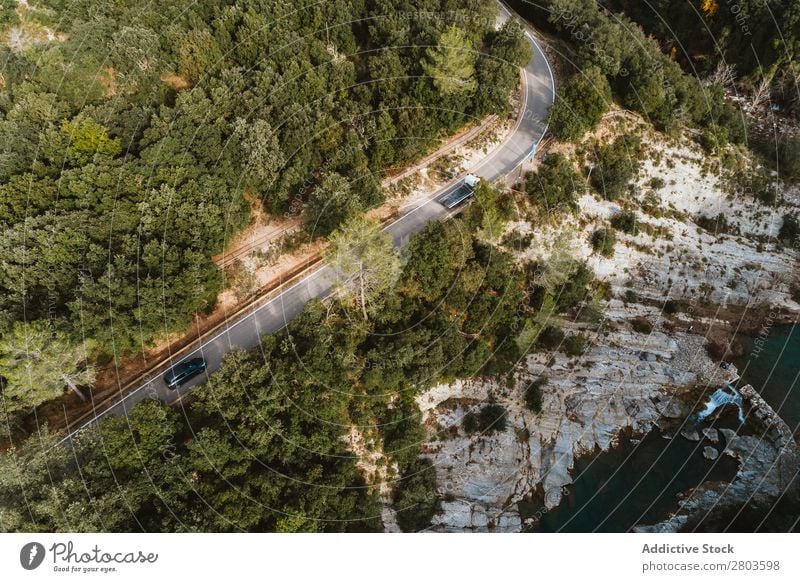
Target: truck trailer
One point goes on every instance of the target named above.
(462, 192)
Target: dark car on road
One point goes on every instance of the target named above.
(180, 373)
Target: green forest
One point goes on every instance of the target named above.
(677, 63)
(743, 33)
(610, 56)
(133, 146)
(262, 446)
(141, 139)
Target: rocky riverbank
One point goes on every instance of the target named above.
(768, 459)
(618, 386)
(625, 380)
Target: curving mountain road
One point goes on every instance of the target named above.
(246, 330)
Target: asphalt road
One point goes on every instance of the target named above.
(246, 331)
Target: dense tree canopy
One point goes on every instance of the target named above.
(642, 77)
(758, 38)
(265, 444)
(363, 256)
(133, 143)
(38, 363)
(451, 64)
(580, 104)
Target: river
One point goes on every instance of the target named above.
(772, 367)
(637, 481)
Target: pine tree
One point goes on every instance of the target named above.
(367, 262)
(39, 363)
(452, 63)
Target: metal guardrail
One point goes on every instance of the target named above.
(225, 259)
(457, 142)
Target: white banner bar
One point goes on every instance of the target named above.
(353, 557)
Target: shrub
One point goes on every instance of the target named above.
(592, 312)
(789, 158)
(492, 418)
(516, 240)
(533, 395)
(790, 228)
(523, 435)
(603, 241)
(580, 104)
(575, 345)
(555, 185)
(241, 280)
(489, 419)
(626, 222)
(8, 14)
(642, 325)
(575, 289)
(717, 225)
(617, 163)
(651, 204)
(470, 423)
(713, 138)
(767, 195)
(415, 499)
(551, 337)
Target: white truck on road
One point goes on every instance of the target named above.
(461, 192)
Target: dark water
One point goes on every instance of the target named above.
(637, 484)
(631, 484)
(772, 368)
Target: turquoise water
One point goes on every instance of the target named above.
(772, 367)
